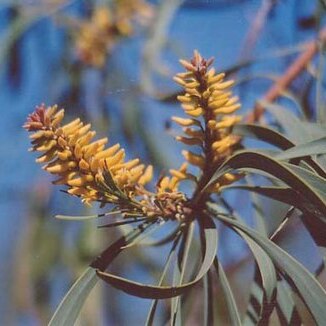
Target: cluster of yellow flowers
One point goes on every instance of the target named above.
(96, 37)
(80, 163)
(96, 173)
(210, 107)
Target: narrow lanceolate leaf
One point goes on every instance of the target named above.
(69, 308)
(311, 148)
(264, 134)
(318, 184)
(152, 309)
(162, 292)
(288, 121)
(274, 138)
(265, 267)
(283, 171)
(180, 274)
(302, 281)
(208, 299)
(234, 314)
(285, 307)
(282, 194)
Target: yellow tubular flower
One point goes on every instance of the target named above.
(209, 103)
(84, 166)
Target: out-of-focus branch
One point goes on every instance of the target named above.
(286, 79)
(256, 27)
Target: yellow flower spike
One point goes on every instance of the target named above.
(80, 163)
(208, 98)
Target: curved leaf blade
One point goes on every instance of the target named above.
(69, 308)
(311, 148)
(313, 295)
(283, 171)
(163, 292)
(230, 301)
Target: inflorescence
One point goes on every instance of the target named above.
(96, 37)
(93, 172)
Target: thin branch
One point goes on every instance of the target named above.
(291, 73)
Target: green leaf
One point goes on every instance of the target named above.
(264, 134)
(285, 307)
(265, 266)
(162, 292)
(273, 137)
(311, 148)
(152, 309)
(69, 308)
(208, 300)
(229, 297)
(180, 273)
(303, 282)
(284, 195)
(303, 182)
(288, 121)
(315, 182)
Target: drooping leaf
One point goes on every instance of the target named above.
(229, 297)
(152, 310)
(179, 273)
(282, 194)
(274, 138)
(304, 182)
(302, 281)
(317, 146)
(69, 308)
(285, 306)
(162, 292)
